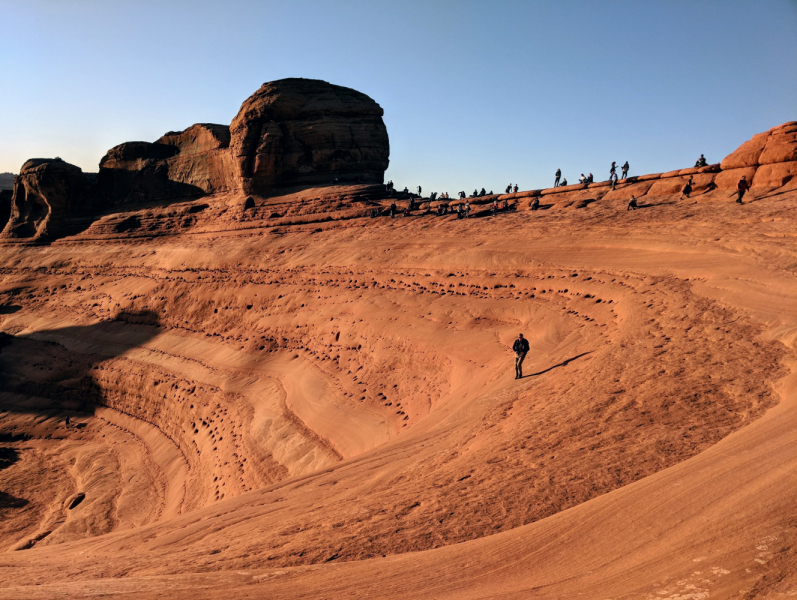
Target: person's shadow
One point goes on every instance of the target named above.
(564, 363)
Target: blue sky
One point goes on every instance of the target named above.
(475, 93)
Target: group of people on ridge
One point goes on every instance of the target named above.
(587, 179)
(463, 209)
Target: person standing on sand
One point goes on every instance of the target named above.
(520, 348)
(741, 188)
(558, 175)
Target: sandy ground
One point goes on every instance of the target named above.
(329, 409)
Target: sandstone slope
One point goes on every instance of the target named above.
(289, 398)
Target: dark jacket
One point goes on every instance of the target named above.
(521, 346)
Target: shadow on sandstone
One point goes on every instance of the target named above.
(49, 372)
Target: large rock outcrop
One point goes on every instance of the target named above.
(180, 164)
(305, 131)
(50, 198)
(769, 159)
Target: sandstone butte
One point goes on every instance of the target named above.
(272, 394)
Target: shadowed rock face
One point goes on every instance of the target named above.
(48, 195)
(306, 131)
(180, 164)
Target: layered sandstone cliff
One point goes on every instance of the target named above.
(306, 131)
(291, 133)
(181, 164)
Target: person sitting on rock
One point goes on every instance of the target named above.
(625, 170)
(701, 162)
(590, 178)
(535, 204)
(582, 179)
(482, 193)
(632, 205)
(505, 205)
(406, 190)
(564, 182)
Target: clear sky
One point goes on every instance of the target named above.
(475, 93)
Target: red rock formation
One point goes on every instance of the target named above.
(305, 131)
(50, 195)
(180, 164)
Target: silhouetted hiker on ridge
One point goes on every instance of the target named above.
(509, 188)
(514, 188)
(558, 175)
(520, 348)
(625, 170)
(613, 170)
(701, 162)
